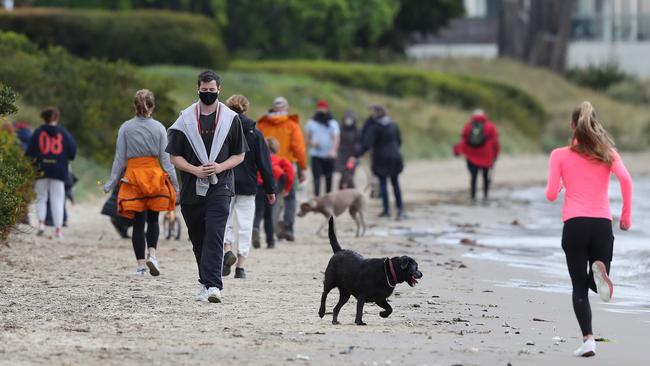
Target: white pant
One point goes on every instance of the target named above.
(242, 213)
(53, 189)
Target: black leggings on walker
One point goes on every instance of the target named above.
(473, 171)
(586, 240)
(138, 236)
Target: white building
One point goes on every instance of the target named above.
(602, 31)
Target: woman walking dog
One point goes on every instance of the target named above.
(583, 170)
(145, 189)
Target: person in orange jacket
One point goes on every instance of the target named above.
(285, 127)
(480, 144)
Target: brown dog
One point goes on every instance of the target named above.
(334, 204)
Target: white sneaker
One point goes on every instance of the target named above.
(214, 295)
(152, 263)
(201, 293)
(58, 234)
(588, 349)
(603, 283)
(140, 272)
(41, 229)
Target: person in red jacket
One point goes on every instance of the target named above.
(284, 175)
(479, 143)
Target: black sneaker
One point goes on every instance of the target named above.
(384, 214)
(288, 236)
(240, 273)
(270, 246)
(256, 238)
(228, 260)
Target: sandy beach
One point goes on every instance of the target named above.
(73, 302)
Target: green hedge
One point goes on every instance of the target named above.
(502, 102)
(94, 96)
(16, 173)
(141, 37)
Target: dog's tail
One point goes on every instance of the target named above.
(332, 233)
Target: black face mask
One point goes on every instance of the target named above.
(208, 98)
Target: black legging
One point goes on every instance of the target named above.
(473, 170)
(264, 210)
(586, 240)
(138, 236)
(322, 167)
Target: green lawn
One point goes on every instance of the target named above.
(629, 124)
(429, 130)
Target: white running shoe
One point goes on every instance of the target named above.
(41, 229)
(152, 263)
(201, 293)
(214, 295)
(588, 349)
(140, 272)
(58, 234)
(603, 283)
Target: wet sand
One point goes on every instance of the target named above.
(74, 301)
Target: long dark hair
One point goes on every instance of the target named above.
(589, 136)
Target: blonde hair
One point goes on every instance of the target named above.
(238, 103)
(144, 103)
(274, 144)
(589, 136)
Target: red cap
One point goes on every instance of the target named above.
(322, 104)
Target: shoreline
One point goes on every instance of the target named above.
(73, 301)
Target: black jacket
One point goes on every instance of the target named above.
(384, 139)
(348, 146)
(52, 148)
(257, 158)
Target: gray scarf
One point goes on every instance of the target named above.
(187, 123)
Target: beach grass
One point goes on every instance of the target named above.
(628, 123)
(429, 129)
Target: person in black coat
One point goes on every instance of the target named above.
(350, 137)
(382, 136)
(239, 228)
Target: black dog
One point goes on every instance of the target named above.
(368, 280)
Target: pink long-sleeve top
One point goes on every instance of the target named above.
(586, 182)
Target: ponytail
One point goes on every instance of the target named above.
(589, 137)
(144, 103)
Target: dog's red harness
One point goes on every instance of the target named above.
(392, 273)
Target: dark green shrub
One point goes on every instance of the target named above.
(501, 101)
(597, 77)
(94, 96)
(16, 173)
(630, 91)
(140, 37)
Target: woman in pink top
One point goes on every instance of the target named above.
(583, 171)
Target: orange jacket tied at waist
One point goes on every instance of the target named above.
(145, 186)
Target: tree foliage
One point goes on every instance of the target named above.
(94, 96)
(299, 28)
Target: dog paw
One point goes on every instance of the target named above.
(360, 323)
(384, 314)
(321, 313)
(335, 322)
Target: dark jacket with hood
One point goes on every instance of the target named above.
(52, 148)
(383, 137)
(350, 137)
(256, 159)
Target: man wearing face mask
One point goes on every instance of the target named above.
(348, 146)
(205, 143)
(323, 135)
